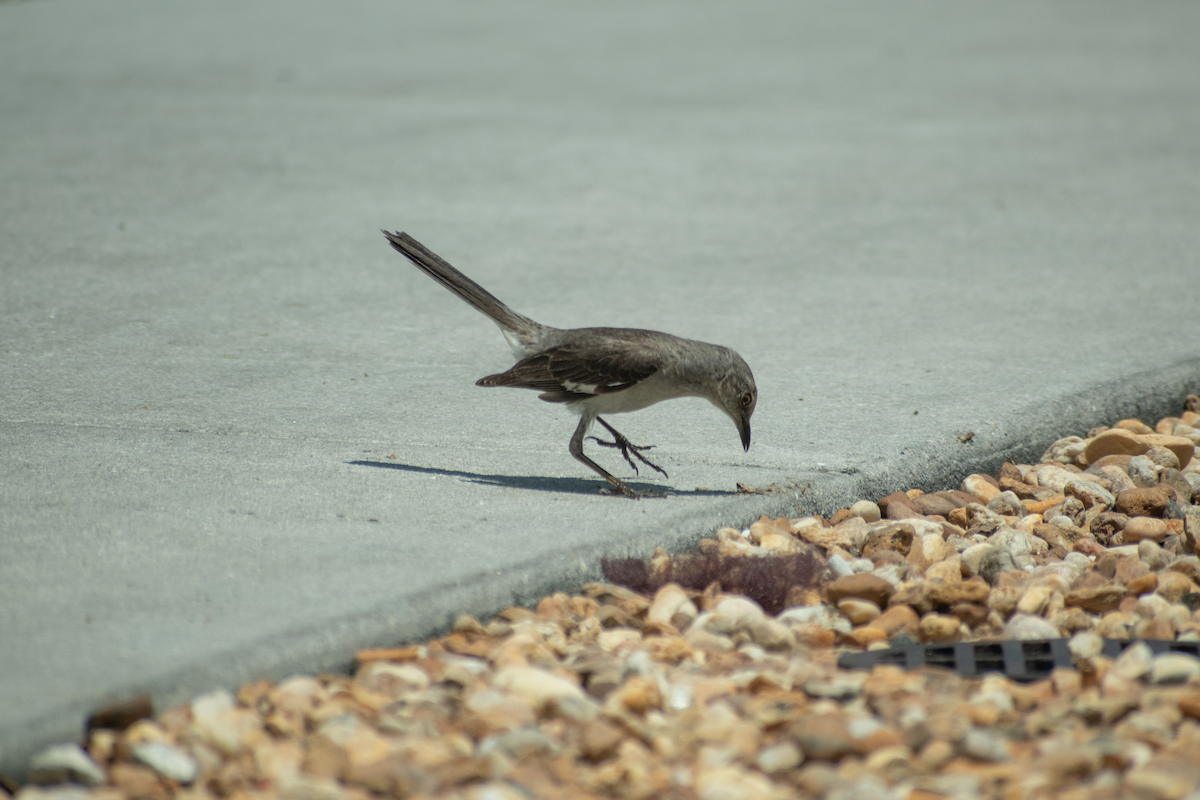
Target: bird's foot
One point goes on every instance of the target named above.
(627, 447)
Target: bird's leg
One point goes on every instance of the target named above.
(576, 448)
(626, 447)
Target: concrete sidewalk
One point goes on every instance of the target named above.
(239, 435)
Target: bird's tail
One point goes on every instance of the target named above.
(435, 267)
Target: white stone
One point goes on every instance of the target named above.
(823, 616)
(780, 757)
(1026, 627)
(547, 691)
(167, 760)
(1134, 662)
(70, 760)
(839, 566)
(986, 745)
(1174, 668)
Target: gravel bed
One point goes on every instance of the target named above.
(714, 675)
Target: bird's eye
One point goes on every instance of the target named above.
(747, 399)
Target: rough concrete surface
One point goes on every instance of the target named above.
(239, 435)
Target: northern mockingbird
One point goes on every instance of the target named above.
(601, 370)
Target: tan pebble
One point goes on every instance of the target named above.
(135, 780)
(1067, 682)
(980, 487)
(823, 736)
(324, 758)
(613, 638)
(813, 635)
(859, 611)
(771, 634)
(863, 585)
(700, 639)
(948, 570)
(927, 550)
(1134, 662)
(229, 729)
(866, 510)
(896, 619)
(779, 757)
(599, 739)
(1139, 528)
(897, 537)
(638, 694)
(1129, 567)
(1134, 425)
(1190, 705)
(1115, 441)
(970, 614)
(935, 754)
(1003, 600)
(866, 636)
(1034, 600)
(546, 691)
(935, 627)
(1150, 606)
(670, 600)
(1173, 585)
(392, 680)
(1164, 777)
(734, 782)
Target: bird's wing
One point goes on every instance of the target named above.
(571, 372)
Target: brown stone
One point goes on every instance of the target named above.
(1106, 524)
(932, 504)
(1143, 502)
(324, 758)
(1129, 568)
(1142, 585)
(1121, 462)
(896, 619)
(1114, 441)
(823, 736)
(865, 586)
(973, 614)
(599, 739)
(119, 716)
(842, 514)
(1097, 600)
(1190, 705)
(938, 628)
(1090, 580)
(1173, 585)
(913, 593)
(897, 537)
(866, 636)
(138, 782)
(1134, 426)
(1008, 471)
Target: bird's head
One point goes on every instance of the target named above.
(737, 395)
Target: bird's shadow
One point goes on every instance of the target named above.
(538, 483)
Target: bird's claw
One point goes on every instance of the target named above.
(626, 447)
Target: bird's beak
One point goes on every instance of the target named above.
(743, 426)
